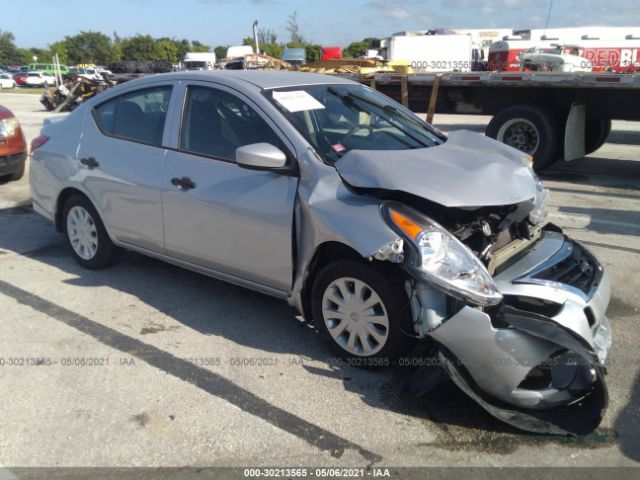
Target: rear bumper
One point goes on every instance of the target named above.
(10, 163)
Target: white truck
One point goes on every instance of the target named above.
(429, 53)
(199, 61)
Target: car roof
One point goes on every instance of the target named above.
(263, 79)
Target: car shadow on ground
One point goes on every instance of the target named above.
(624, 137)
(595, 171)
(627, 423)
(253, 320)
(607, 220)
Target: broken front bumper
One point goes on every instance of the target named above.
(536, 360)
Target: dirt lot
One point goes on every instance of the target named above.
(146, 364)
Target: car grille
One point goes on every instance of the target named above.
(579, 269)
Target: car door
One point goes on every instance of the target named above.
(218, 215)
(121, 159)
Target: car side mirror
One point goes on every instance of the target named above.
(260, 156)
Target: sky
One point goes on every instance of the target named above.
(37, 23)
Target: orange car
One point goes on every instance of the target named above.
(13, 147)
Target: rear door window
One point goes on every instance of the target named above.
(138, 116)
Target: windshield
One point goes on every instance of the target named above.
(194, 65)
(338, 118)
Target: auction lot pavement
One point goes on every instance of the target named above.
(146, 364)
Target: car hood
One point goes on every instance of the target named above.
(468, 170)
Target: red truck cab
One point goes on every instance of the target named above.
(329, 53)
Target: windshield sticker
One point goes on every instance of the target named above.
(338, 147)
(297, 101)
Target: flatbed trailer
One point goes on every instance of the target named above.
(549, 115)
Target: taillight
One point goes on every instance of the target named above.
(9, 127)
(38, 142)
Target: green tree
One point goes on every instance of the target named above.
(167, 50)
(90, 47)
(140, 47)
(196, 46)
(221, 52)
(355, 49)
(24, 56)
(60, 49)
(314, 52)
(183, 46)
(9, 53)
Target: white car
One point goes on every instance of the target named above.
(7, 81)
(39, 79)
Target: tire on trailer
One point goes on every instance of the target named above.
(531, 129)
(596, 132)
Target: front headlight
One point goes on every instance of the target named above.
(442, 259)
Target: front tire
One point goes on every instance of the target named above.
(86, 235)
(362, 312)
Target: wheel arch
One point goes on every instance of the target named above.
(329, 252)
(324, 254)
(63, 196)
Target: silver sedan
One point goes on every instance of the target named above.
(324, 193)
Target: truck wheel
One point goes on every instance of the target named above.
(596, 132)
(362, 312)
(530, 129)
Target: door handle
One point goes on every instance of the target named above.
(90, 162)
(183, 183)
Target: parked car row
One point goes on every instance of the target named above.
(27, 79)
(7, 81)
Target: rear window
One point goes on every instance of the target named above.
(139, 116)
(33, 75)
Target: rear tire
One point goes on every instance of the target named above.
(86, 235)
(533, 130)
(363, 312)
(596, 132)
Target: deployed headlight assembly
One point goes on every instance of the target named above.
(442, 259)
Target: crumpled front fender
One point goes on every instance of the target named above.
(327, 211)
(501, 367)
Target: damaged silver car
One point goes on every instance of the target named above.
(381, 229)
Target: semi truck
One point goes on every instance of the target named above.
(549, 115)
(614, 49)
